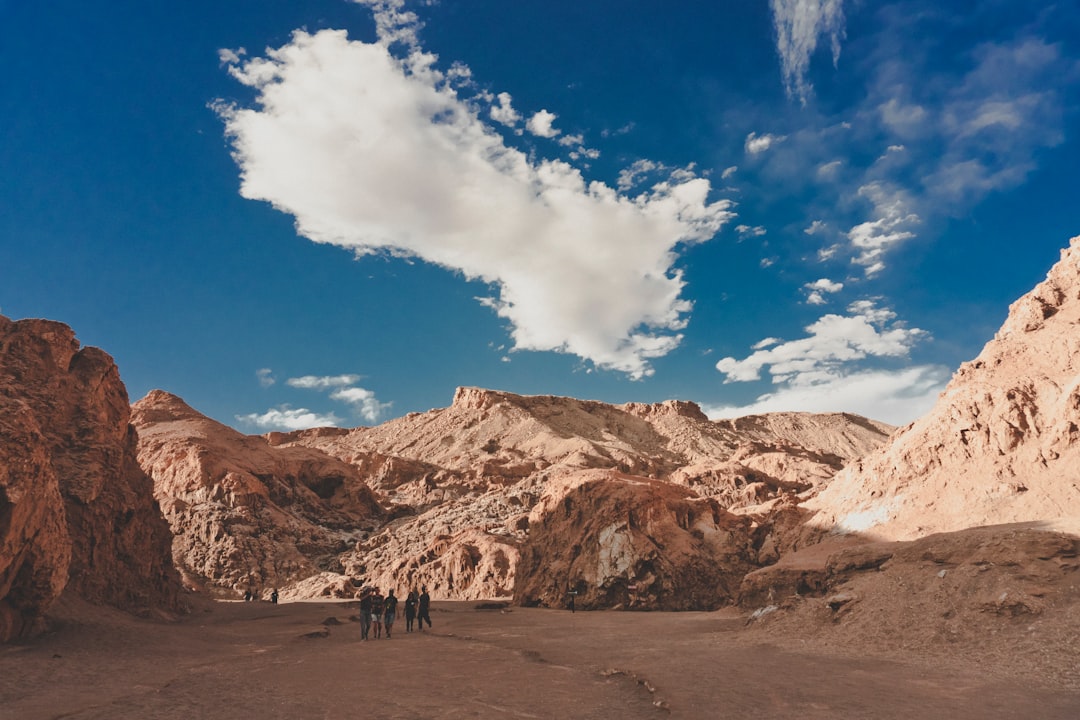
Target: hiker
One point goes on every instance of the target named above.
(378, 606)
(570, 602)
(365, 613)
(410, 609)
(390, 613)
(274, 596)
(422, 609)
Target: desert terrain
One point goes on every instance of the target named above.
(788, 565)
(305, 660)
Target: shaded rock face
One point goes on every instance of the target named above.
(76, 511)
(612, 540)
(1002, 444)
(246, 515)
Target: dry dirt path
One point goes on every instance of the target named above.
(255, 660)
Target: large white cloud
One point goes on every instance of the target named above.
(376, 152)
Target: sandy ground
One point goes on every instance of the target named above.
(306, 660)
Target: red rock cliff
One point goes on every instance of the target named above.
(76, 511)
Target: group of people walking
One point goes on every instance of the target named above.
(377, 611)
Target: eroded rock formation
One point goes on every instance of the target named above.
(471, 484)
(246, 515)
(76, 510)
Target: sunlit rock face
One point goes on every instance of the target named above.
(1002, 444)
(470, 488)
(76, 510)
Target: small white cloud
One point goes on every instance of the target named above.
(365, 402)
(892, 224)
(504, 112)
(287, 419)
(767, 262)
(760, 143)
(265, 376)
(829, 170)
(230, 57)
(764, 343)
(833, 342)
(540, 124)
(818, 289)
(325, 382)
(631, 176)
(746, 231)
(826, 285)
(827, 253)
(818, 226)
(345, 390)
(728, 172)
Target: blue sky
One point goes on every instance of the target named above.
(332, 212)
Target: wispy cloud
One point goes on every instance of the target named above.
(265, 377)
(378, 152)
(323, 382)
(799, 24)
(760, 143)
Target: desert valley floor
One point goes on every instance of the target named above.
(305, 660)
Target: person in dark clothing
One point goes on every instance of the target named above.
(274, 596)
(423, 608)
(390, 612)
(378, 606)
(365, 614)
(410, 609)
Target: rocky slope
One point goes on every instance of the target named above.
(473, 483)
(245, 515)
(76, 510)
(1002, 444)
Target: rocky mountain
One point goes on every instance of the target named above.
(77, 512)
(474, 490)
(246, 515)
(1002, 445)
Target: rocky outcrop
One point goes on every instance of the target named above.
(246, 515)
(612, 540)
(76, 511)
(1002, 444)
